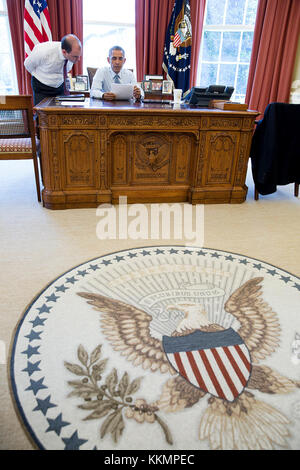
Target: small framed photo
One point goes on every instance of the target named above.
(167, 87)
(157, 85)
(81, 83)
(147, 85)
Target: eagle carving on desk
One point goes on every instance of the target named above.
(207, 359)
(152, 155)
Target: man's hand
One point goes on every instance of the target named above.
(109, 96)
(136, 92)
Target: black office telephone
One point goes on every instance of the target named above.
(202, 96)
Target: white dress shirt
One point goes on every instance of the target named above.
(46, 63)
(104, 77)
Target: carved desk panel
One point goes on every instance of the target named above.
(99, 151)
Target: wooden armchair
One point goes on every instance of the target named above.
(17, 132)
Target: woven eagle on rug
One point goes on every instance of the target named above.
(206, 359)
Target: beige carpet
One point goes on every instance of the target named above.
(38, 245)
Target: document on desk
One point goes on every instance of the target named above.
(122, 92)
(71, 103)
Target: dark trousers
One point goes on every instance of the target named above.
(41, 91)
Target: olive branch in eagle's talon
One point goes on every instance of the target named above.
(108, 396)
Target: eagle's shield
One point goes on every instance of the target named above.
(217, 362)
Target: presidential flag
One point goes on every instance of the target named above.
(178, 45)
(37, 26)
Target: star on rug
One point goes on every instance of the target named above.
(163, 347)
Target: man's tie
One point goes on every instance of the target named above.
(117, 79)
(66, 88)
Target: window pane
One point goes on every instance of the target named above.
(8, 81)
(230, 48)
(4, 39)
(242, 78)
(211, 45)
(246, 48)
(227, 74)
(106, 27)
(251, 12)
(208, 75)
(227, 44)
(98, 41)
(235, 12)
(215, 11)
(7, 85)
(115, 11)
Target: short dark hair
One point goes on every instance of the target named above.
(116, 48)
(68, 41)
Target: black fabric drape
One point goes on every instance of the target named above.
(275, 149)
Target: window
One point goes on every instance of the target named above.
(8, 78)
(226, 44)
(105, 27)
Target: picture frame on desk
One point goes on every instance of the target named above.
(157, 85)
(147, 86)
(153, 77)
(167, 87)
(156, 89)
(81, 83)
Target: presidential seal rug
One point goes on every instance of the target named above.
(164, 347)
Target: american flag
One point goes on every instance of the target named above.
(177, 40)
(37, 26)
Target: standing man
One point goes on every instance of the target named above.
(104, 77)
(49, 62)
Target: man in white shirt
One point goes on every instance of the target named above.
(104, 77)
(49, 62)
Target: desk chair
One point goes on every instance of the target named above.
(17, 132)
(275, 149)
(91, 73)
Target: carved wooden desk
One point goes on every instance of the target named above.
(96, 152)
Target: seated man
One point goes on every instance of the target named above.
(104, 77)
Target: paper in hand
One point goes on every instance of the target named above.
(122, 92)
